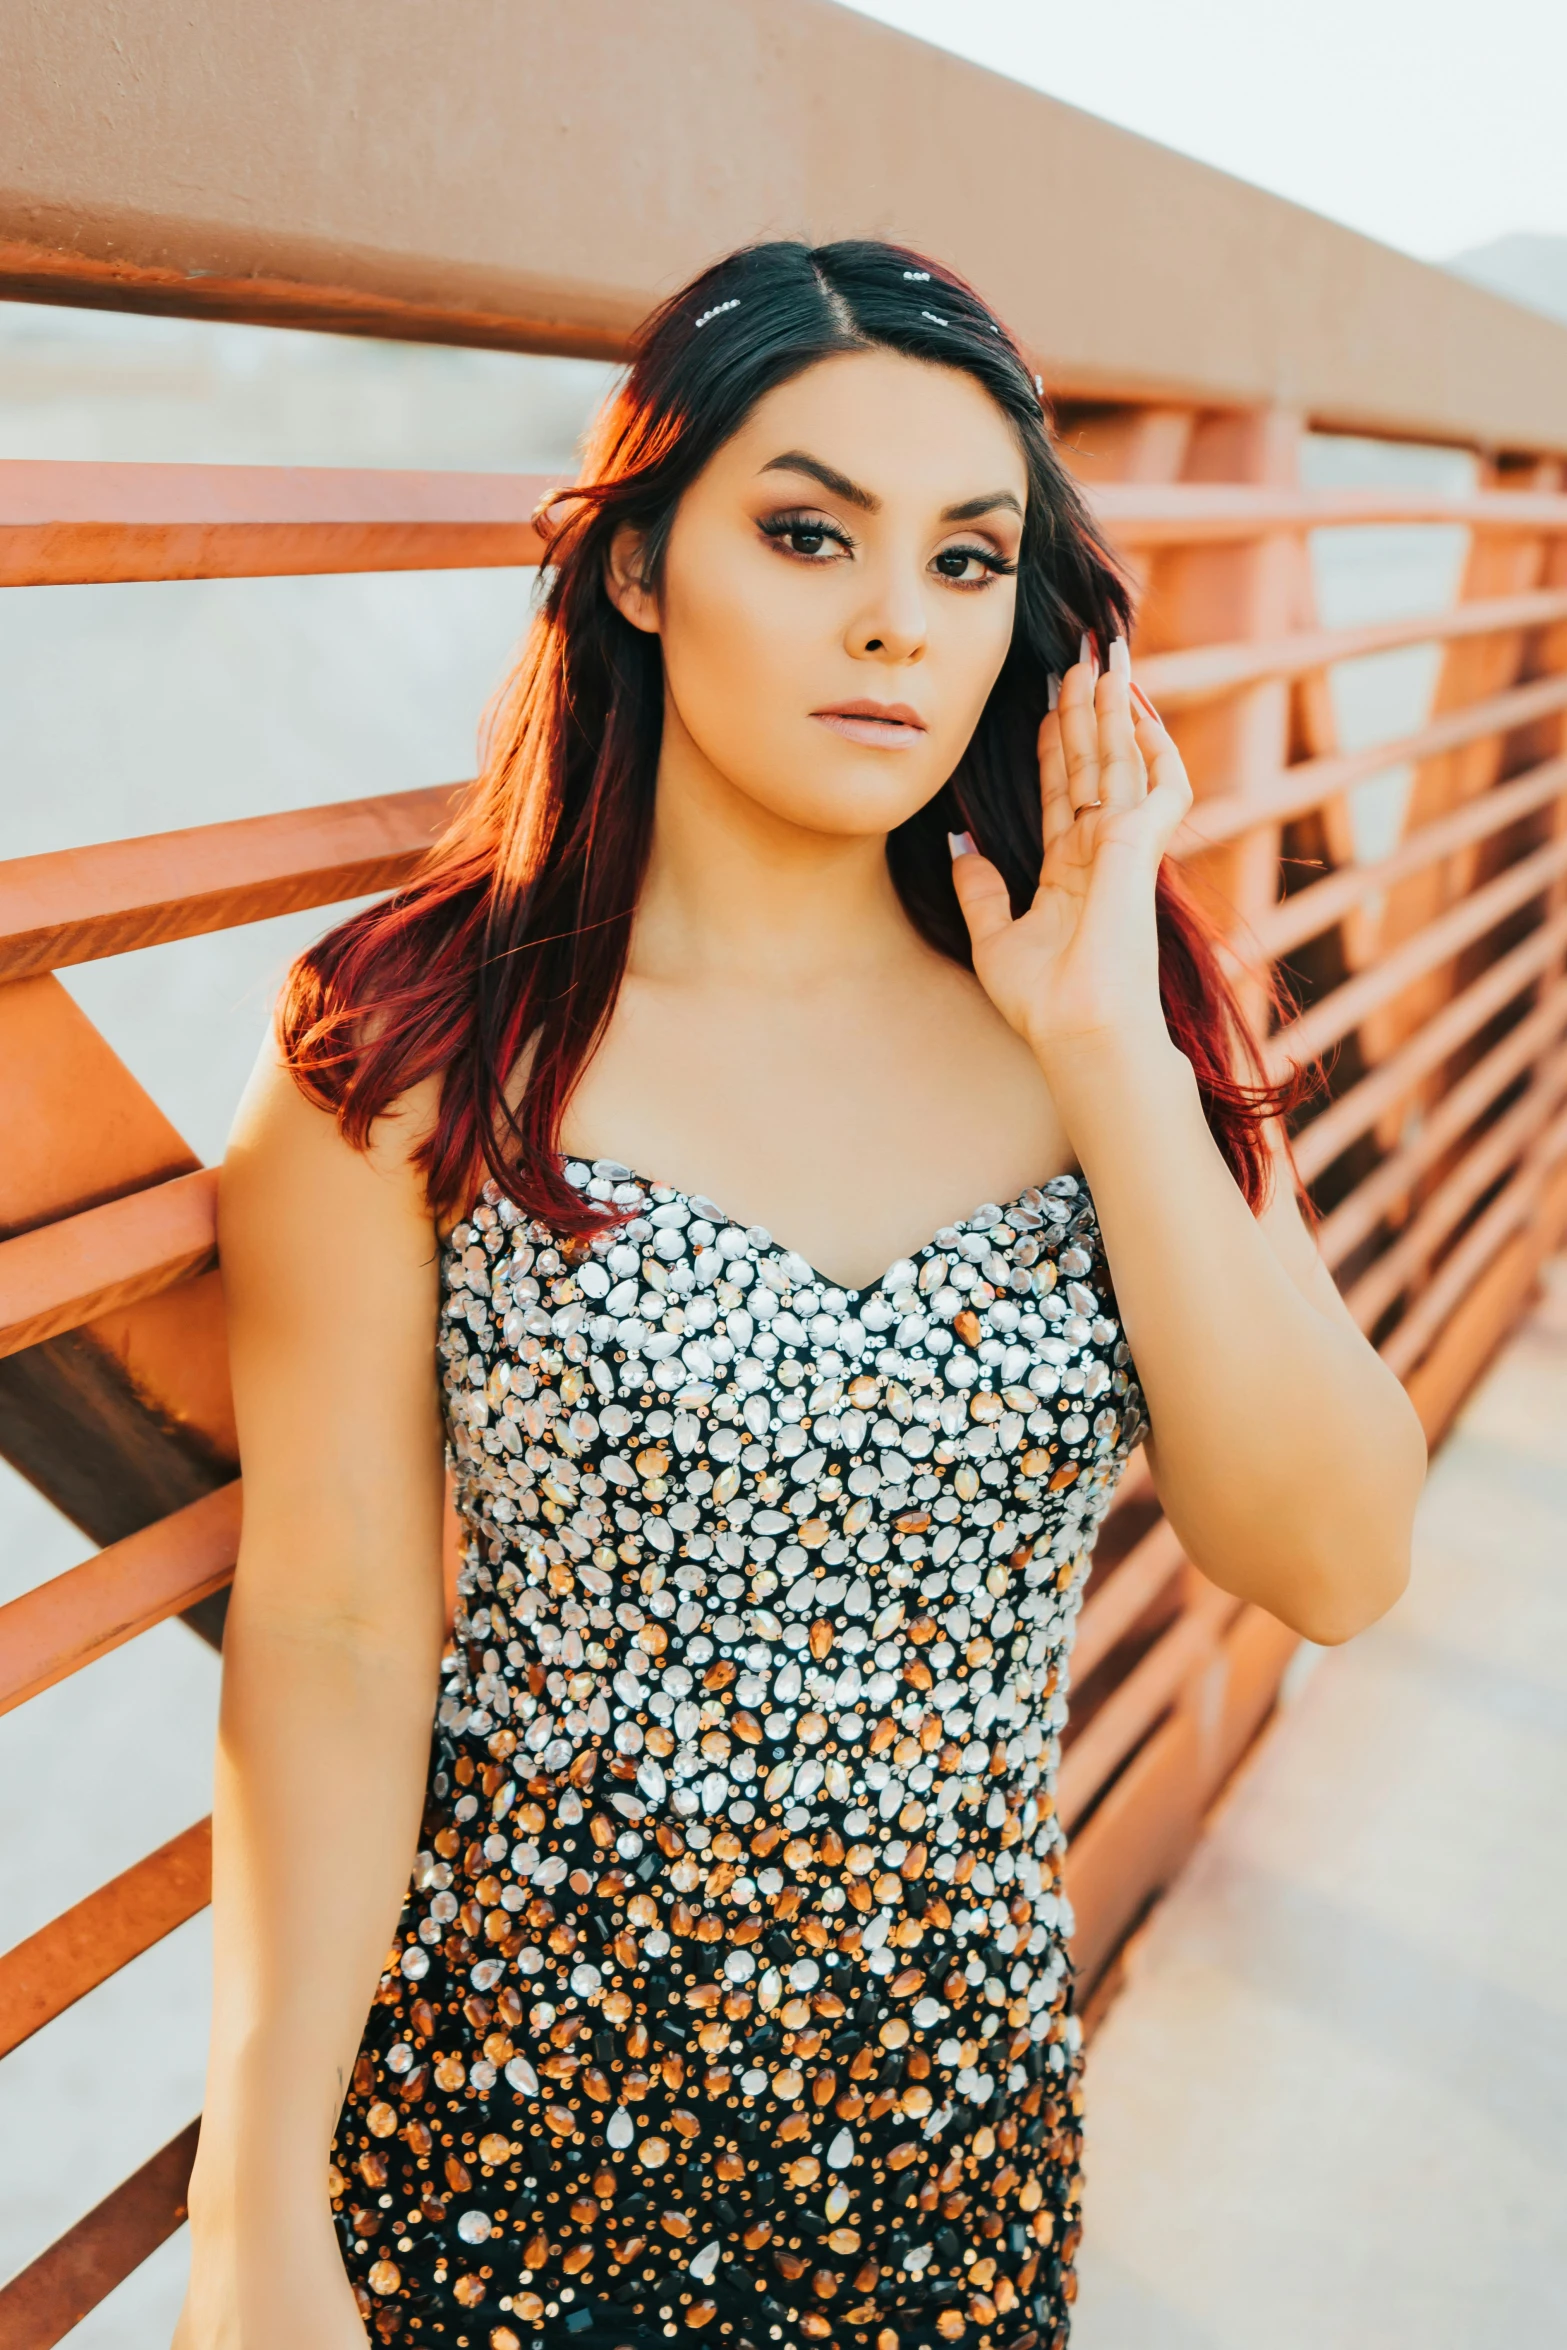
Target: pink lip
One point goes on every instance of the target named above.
(887, 725)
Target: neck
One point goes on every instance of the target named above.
(734, 891)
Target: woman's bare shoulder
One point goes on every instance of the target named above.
(293, 1180)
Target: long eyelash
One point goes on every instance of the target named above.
(784, 526)
(1002, 565)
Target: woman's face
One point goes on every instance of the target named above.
(837, 593)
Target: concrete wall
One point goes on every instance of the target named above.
(519, 171)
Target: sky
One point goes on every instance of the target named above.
(1434, 125)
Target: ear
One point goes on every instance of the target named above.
(624, 579)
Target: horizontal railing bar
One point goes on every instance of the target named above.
(72, 523)
(77, 1951)
(55, 2292)
(1424, 1320)
(77, 905)
(1311, 911)
(1307, 1038)
(64, 1274)
(1114, 1608)
(1369, 1297)
(62, 1625)
(1149, 514)
(1135, 1705)
(1203, 673)
(1296, 789)
(1450, 1116)
(1332, 1131)
(66, 524)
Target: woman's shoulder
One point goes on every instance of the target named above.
(291, 1166)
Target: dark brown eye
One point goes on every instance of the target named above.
(806, 535)
(955, 563)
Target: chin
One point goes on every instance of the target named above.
(867, 793)
(848, 814)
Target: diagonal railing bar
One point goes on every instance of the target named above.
(1357, 1216)
(55, 1629)
(1204, 673)
(77, 905)
(63, 1274)
(54, 1968)
(1369, 1298)
(1227, 815)
(56, 2291)
(1115, 1607)
(1305, 1039)
(1480, 1244)
(1125, 1718)
(1332, 1131)
(1311, 911)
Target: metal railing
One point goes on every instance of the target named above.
(1434, 979)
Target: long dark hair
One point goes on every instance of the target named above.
(514, 934)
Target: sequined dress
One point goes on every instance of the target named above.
(732, 1990)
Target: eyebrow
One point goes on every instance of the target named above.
(969, 510)
(972, 508)
(796, 461)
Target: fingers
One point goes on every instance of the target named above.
(1169, 794)
(982, 894)
(1079, 725)
(1054, 797)
(1123, 778)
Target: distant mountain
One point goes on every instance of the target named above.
(1527, 268)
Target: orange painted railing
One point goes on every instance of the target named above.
(1434, 979)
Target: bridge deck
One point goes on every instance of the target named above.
(1331, 2104)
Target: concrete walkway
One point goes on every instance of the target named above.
(1330, 2109)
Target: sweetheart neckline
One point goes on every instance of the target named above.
(709, 1208)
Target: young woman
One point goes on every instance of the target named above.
(634, 1153)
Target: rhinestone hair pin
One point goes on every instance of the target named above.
(718, 309)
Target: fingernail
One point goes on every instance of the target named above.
(1052, 691)
(1120, 657)
(1085, 652)
(1147, 705)
(961, 844)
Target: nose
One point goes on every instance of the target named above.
(891, 625)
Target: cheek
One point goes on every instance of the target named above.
(740, 651)
(970, 641)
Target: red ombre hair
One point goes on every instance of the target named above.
(512, 938)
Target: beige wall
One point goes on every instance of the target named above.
(530, 171)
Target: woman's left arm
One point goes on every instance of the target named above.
(1286, 1454)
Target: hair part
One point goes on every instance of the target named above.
(505, 953)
